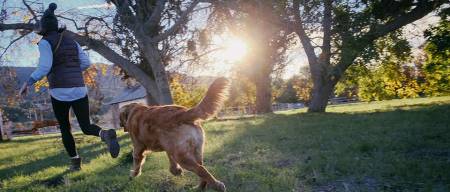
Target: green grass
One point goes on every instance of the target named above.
(398, 145)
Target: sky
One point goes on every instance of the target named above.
(26, 54)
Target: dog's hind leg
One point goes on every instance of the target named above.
(138, 160)
(191, 165)
(175, 169)
(198, 153)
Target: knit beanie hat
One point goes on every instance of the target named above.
(48, 21)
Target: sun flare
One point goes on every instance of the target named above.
(232, 49)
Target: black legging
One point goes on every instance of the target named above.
(81, 109)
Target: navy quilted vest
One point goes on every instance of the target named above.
(66, 71)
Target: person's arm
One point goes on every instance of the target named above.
(44, 66)
(84, 59)
(45, 62)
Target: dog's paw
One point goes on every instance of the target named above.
(134, 174)
(176, 170)
(218, 186)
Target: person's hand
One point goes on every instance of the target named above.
(23, 90)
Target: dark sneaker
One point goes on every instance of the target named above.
(110, 138)
(75, 164)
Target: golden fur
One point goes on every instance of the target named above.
(175, 130)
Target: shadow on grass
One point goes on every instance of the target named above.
(56, 160)
(87, 152)
(315, 152)
(321, 148)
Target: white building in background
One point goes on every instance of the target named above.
(136, 94)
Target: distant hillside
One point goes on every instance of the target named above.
(110, 85)
(23, 73)
(18, 74)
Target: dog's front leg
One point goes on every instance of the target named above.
(138, 161)
(175, 169)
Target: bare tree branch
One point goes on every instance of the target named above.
(182, 20)
(13, 41)
(31, 11)
(156, 14)
(126, 15)
(305, 40)
(421, 10)
(115, 58)
(203, 54)
(326, 43)
(15, 26)
(87, 23)
(72, 20)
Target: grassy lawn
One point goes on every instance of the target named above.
(398, 145)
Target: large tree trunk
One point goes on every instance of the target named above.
(322, 89)
(151, 100)
(159, 72)
(163, 85)
(263, 93)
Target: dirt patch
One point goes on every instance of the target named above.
(283, 163)
(233, 158)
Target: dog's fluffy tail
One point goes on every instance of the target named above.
(212, 102)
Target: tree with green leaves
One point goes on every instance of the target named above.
(388, 75)
(337, 34)
(284, 91)
(437, 64)
(185, 95)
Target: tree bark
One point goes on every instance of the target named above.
(263, 93)
(322, 89)
(151, 100)
(159, 72)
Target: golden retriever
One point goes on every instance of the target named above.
(175, 130)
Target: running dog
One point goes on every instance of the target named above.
(175, 130)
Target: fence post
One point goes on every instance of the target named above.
(8, 130)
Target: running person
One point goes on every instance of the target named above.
(62, 60)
